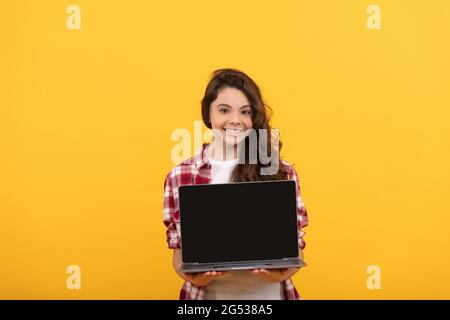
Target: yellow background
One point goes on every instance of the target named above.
(86, 118)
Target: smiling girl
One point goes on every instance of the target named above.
(233, 108)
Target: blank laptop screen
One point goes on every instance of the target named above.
(238, 221)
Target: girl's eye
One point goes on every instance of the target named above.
(246, 112)
(224, 110)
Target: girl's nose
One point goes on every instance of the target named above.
(235, 120)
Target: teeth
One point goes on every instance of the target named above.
(234, 130)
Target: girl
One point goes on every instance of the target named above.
(232, 107)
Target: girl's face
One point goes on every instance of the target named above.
(231, 116)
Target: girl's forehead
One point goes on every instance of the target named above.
(232, 97)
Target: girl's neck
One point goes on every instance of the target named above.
(223, 152)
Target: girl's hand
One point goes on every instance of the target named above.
(204, 278)
(272, 275)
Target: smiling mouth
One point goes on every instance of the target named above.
(233, 132)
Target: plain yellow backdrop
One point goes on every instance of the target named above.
(86, 118)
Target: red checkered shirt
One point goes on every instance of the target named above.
(197, 170)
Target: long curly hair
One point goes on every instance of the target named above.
(247, 170)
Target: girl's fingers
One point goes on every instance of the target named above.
(190, 276)
(257, 271)
(267, 271)
(213, 273)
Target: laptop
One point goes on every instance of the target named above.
(238, 226)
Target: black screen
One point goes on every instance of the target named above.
(238, 221)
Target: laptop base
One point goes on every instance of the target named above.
(243, 265)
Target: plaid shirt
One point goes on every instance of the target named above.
(197, 170)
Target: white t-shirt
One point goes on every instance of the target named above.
(237, 284)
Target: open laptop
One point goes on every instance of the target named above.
(242, 225)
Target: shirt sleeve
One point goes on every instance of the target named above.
(170, 215)
(302, 214)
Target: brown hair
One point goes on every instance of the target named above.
(260, 117)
